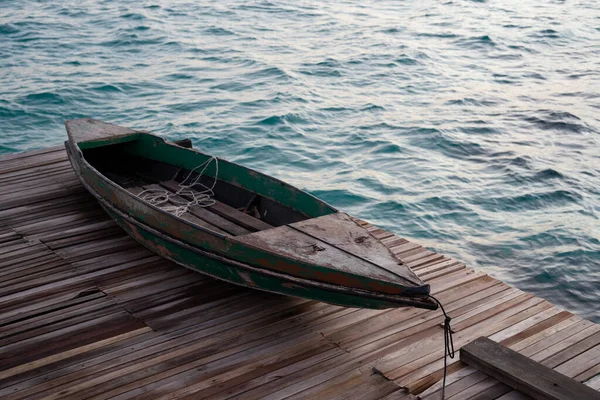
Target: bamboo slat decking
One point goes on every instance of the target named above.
(85, 312)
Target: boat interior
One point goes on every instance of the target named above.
(236, 210)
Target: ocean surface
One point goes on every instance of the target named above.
(472, 127)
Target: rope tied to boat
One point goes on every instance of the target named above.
(178, 204)
(448, 344)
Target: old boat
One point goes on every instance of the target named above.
(255, 231)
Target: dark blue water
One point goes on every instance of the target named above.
(470, 126)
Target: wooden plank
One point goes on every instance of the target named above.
(38, 194)
(215, 219)
(572, 351)
(514, 395)
(450, 379)
(589, 373)
(480, 390)
(564, 349)
(535, 334)
(31, 162)
(535, 320)
(460, 385)
(202, 216)
(31, 153)
(46, 304)
(522, 373)
(70, 353)
(36, 172)
(192, 215)
(581, 363)
(228, 212)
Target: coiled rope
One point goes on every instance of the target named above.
(178, 204)
(448, 344)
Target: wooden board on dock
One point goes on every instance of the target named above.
(86, 312)
(522, 373)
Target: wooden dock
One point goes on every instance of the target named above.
(86, 312)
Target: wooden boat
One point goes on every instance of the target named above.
(255, 231)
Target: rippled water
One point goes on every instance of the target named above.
(471, 126)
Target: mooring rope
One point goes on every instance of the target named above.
(448, 344)
(200, 198)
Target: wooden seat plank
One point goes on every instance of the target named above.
(192, 215)
(218, 223)
(247, 221)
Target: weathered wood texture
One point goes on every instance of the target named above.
(85, 312)
(522, 373)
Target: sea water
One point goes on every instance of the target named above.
(472, 127)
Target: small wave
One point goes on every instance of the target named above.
(235, 86)
(342, 198)
(11, 112)
(327, 68)
(385, 148)
(484, 41)
(43, 98)
(132, 40)
(372, 107)
(450, 146)
(107, 88)
(8, 29)
(4, 149)
(406, 60)
(522, 161)
(468, 101)
(546, 174)
(178, 76)
(214, 30)
(438, 35)
(442, 203)
(558, 121)
(522, 48)
(133, 16)
(282, 119)
(335, 109)
(504, 79)
(554, 238)
(535, 75)
(531, 201)
(391, 30)
(548, 33)
(269, 72)
(583, 74)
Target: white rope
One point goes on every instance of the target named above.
(179, 205)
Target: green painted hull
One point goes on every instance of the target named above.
(239, 274)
